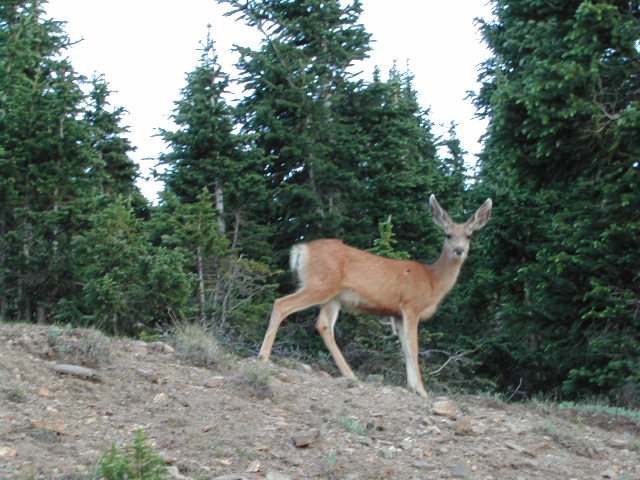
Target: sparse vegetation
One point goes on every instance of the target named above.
(196, 345)
(351, 425)
(256, 380)
(15, 393)
(136, 462)
(80, 346)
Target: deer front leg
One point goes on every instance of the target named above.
(407, 328)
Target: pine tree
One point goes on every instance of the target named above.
(562, 95)
(204, 150)
(59, 151)
(296, 80)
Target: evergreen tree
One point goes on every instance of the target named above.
(296, 80)
(116, 172)
(44, 160)
(562, 94)
(60, 152)
(206, 153)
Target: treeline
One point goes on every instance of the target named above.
(550, 300)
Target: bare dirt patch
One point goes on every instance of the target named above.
(274, 424)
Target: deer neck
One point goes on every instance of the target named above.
(446, 271)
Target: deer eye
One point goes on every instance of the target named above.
(448, 235)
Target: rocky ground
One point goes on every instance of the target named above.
(248, 421)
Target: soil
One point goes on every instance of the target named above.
(248, 420)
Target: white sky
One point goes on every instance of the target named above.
(145, 48)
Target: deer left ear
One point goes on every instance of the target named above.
(481, 217)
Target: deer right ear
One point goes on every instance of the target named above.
(440, 216)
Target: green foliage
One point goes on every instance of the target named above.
(128, 283)
(384, 244)
(138, 461)
(557, 293)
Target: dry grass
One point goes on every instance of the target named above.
(196, 346)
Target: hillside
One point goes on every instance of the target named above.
(229, 424)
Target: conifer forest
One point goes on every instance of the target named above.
(548, 303)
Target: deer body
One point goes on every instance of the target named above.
(333, 275)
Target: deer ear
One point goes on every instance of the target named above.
(481, 217)
(440, 216)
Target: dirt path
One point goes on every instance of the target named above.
(217, 424)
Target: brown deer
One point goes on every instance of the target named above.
(332, 275)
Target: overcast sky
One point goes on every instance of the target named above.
(145, 48)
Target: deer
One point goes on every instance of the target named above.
(333, 275)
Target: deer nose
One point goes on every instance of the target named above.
(458, 251)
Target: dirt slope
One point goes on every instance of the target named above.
(212, 424)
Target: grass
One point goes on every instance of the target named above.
(15, 394)
(351, 425)
(79, 346)
(256, 380)
(196, 346)
(625, 412)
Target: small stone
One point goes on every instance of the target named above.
(387, 452)
(375, 378)
(445, 408)
(253, 467)
(425, 466)
(43, 392)
(6, 451)
(617, 443)
(305, 368)
(161, 398)
(518, 448)
(138, 347)
(463, 426)
(406, 444)
(461, 470)
(304, 439)
(277, 476)
(433, 430)
(161, 347)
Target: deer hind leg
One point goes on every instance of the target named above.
(285, 306)
(325, 326)
(407, 328)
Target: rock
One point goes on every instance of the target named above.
(406, 444)
(461, 470)
(375, 378)
(160, 347)
(618, 443)
(463, 426)
(6, 451)
(277, 476)
(215, 382)
(175, 473)
(425, 466)
(445, 408)
(304, 439)
(433, 430)
(387, 452)
(77, 370)
(518, 448)
(44, 392)
(161, 398)
(138, 347)
(253, 467)
(305, 368)
(231, 477)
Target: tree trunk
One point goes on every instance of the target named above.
(220, 206)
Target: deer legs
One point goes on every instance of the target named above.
(407, 328)
(325, 326)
